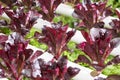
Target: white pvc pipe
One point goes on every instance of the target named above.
(40, 24)
(107, 20)
(5, 16)
(116, 51)
(64, 9)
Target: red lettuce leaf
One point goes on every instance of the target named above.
(3, 38)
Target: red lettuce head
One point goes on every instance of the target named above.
(98, 49)
(56, 37)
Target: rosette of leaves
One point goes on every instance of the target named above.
(21, 21)
(56, 38)
(91, 14)
(13, 56)
(22, 15)
(1, 11)
(98, 48)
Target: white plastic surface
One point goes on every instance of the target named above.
(64, 9)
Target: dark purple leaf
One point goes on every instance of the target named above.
(14, 54)
(28, 53)
(70, 35)
(114, 42)
(62, 63)
(3, 38)
(71, 72)
(1, 10)
(78, 9)
(35, 55)
(108, 11)
(82, 58)
(89, 49)
(115, 60)
(113, 77)
(87, 36)
(99, 25)
(98, 66)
